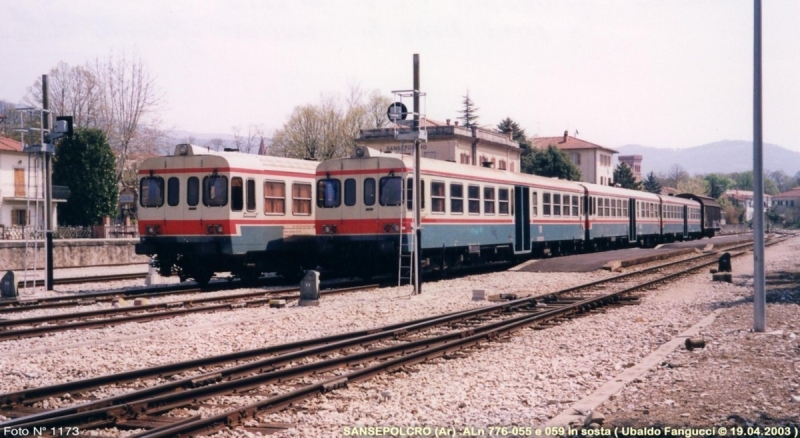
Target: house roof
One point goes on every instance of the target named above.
(570, 143)
(794, 193)
(7, 144)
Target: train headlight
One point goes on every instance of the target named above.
(153, 230)
(329, 229)
(391, 228)
(214, 229)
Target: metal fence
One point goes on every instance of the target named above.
(29, 232)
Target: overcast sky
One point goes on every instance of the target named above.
(652, 72)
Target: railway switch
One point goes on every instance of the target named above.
(309, 289)
(8, 286)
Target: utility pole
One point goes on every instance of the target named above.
(759, 295)
(417, 187)
(47, 148)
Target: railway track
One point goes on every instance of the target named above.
(41, 325)
(280, 375)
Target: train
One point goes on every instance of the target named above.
(475, 215)
(203, 213)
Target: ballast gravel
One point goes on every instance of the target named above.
(521, 382)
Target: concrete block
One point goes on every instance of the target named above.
(478, 294)
(277, 304)
(613, 265)
(726, 277)
(140, 302)
(118, 302)
(308, 303)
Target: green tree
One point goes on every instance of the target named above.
(695, 185)
(717, 184)
(469, 114)
(508, 125)
(550, 162)
(86, 164)
(623, 175)
(745, 181)
(652, 184)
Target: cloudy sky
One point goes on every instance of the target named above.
(659, 73)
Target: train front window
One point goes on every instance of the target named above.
(173, 191)
(329, 193)
(215, 191)
(391, 191)
(237, 194)
(193, 191)
(369, 191)
(151, 191)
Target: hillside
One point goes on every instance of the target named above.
(721, 157)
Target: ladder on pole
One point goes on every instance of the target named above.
(406, 245)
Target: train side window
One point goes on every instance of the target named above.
(215, 191)
(556, 204)
(173, 191)
(369, 192)
(592, 208)
(410, 194)
(546, 204)
(437, 197)
(488, 200)
(390, 191)
(599, 207)
(274, 197)
(625, 208)
(582, 207)
(193, 191)
(329, 193)
(350, 192)
(535, 203)
(607, 206)
(502, 198)
(619, 207)
(574, 205)
(301, 199)
(237, 194)
(474, 194)
(251, 194)
(151, 191)
(457, 198)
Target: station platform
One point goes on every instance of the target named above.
(626, 257)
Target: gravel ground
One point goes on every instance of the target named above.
(519, 383)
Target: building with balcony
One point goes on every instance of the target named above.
(745, 199)
(594, 161)
(21, 198)
(786, 201)
(472, 146)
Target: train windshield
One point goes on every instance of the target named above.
(391, 191)
(329, 193)
(151, 189)
(215, 190)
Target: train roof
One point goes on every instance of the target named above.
(705, 200)
(678, 200)
(233, 160)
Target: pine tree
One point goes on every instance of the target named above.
(623, 175)
(469, 113)
(651, 183)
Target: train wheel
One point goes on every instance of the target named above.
(249, 277)
(202, 277)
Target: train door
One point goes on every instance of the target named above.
(522, 219)
(632, 220)
(685, 222)
(191, 197)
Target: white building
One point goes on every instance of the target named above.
(594, 161)
(16, 186)
(744, 198)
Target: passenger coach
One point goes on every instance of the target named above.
(204, 212)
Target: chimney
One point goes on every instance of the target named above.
(455, 123)
(566, 134)
(448, 122)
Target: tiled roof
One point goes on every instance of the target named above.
(794, 193)
(7, 144)
(570, 143)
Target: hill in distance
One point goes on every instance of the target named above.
(720, 157)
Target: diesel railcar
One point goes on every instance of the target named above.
(472, 215)
(204, 212)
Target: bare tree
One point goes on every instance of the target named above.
(301, 136)
(74, 91)
(129, 101)
(246, 141)
(376, 109)
(217, 144)
(675, 176)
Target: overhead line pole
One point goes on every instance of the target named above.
(759, 295)
(48, 186)
(417, 188)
